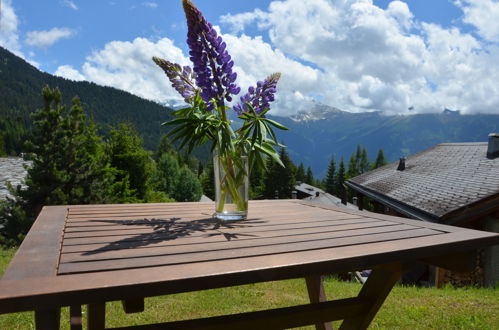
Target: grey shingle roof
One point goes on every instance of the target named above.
(328, 199)
(439, 180)
(308, 189)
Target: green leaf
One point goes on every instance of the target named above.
(276, 124)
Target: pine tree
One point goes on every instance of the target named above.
(128, 156)
(257, 176)
(165, 146)
(331, 177)
(352, 166)
(309, 178)
(278, 178)
(190, 161)
(208, 181)
(178, 182)
(358, 157)
(364, 162)
(2, 145)
(300, 173)
(380, 160)
(187, 187)
(167, 174)
(69, 166)
(340, 178)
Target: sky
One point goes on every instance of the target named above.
(399, 57)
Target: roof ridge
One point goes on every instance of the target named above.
(462, 143)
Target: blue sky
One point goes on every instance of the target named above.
(356, 55)
(97, 22)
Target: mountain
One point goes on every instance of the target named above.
(21, 85)
(315, 136)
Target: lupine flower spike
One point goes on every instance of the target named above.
(207, 87)
(182, 79)
(211, 61)
(259, 97)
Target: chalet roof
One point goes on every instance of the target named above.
(437, 181)
(308, 189)
(328, 199)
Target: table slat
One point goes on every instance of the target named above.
(203, 256)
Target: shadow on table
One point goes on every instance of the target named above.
(171, 229)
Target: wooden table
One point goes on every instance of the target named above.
(75, 255)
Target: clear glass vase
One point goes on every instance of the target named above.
(231, 187)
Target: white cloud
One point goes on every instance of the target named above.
(400, 11)
(48, 37)
(70, 4)
(483, 14)
(239, 21)
(375, 59)
(68, 72)
(9, 37)
(255, 60)
(351, 55)
(150, 4)
(129, 66)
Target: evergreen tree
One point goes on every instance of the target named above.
(69, 166)
(187, 187)
(364, 162)
(278, 178)
(200, 169)
(352, 166)
(208, 181)
(257, 176)
(12, 135)
(132, 162)
(380, 160)
(2, 145)
(165, 147)
(309, 178)
(340, 178)
(331, 177)
(190, 161)
(300, 173)
(358, 157)
(167, 174)
(178, 182)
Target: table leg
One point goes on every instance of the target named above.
(47, 319)
(75, 320)
(96, 316)
(376, 289)
(133, 305)
(316, 294)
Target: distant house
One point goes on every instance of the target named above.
(451, 183)
(304, 190)
(313, 194)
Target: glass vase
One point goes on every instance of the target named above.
(231, 187)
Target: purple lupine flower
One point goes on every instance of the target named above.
(211, 61)
(259, 97)
(182, 78)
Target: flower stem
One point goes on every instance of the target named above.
(231, 183)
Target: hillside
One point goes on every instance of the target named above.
(21, 85)
(314, 140)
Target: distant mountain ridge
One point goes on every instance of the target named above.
(317, 112)
(314, 136)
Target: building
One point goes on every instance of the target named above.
(313, 194)
(451, 183)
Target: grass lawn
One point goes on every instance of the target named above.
(405, 308)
